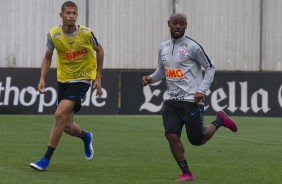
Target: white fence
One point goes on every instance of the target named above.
(242, 35)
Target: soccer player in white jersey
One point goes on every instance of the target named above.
(180, 62)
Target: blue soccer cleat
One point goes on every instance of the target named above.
(88, 148)
(40, 165)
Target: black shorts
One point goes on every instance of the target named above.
(73, 91)
(177, 113)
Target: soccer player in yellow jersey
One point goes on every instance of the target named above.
(77, 69)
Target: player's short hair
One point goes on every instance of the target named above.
(179, 14)
(68, 4)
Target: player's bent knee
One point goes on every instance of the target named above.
(67, 130)
(172, 137)
(59, 115)
(196, 142)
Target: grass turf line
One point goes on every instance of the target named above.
(133, 149)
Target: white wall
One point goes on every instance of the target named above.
(25, 25)
(227, 29)
(131, 31)
(272, 36)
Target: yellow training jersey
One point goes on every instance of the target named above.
(75, 55)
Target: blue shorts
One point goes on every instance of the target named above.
(73, 91)
(176, 114)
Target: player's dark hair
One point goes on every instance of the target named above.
(68, 4)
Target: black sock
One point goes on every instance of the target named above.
(218, 123)
(49, 152)
(82, 135)
(184, 167)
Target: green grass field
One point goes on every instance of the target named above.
(133, 150)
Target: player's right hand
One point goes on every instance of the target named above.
(199, 98)
(146, 80)
(41, 87)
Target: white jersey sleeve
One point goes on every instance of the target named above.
(159, 73)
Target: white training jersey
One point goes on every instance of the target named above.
(180, 61)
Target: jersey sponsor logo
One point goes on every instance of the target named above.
(163, 56)
(84, 73)
(183, 54)
(76, 54)
(174, 72)
(168, 44)
(184, 45)
(84, 30)
(57, 35)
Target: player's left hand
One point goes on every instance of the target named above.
(97, 85)
(199, 98)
